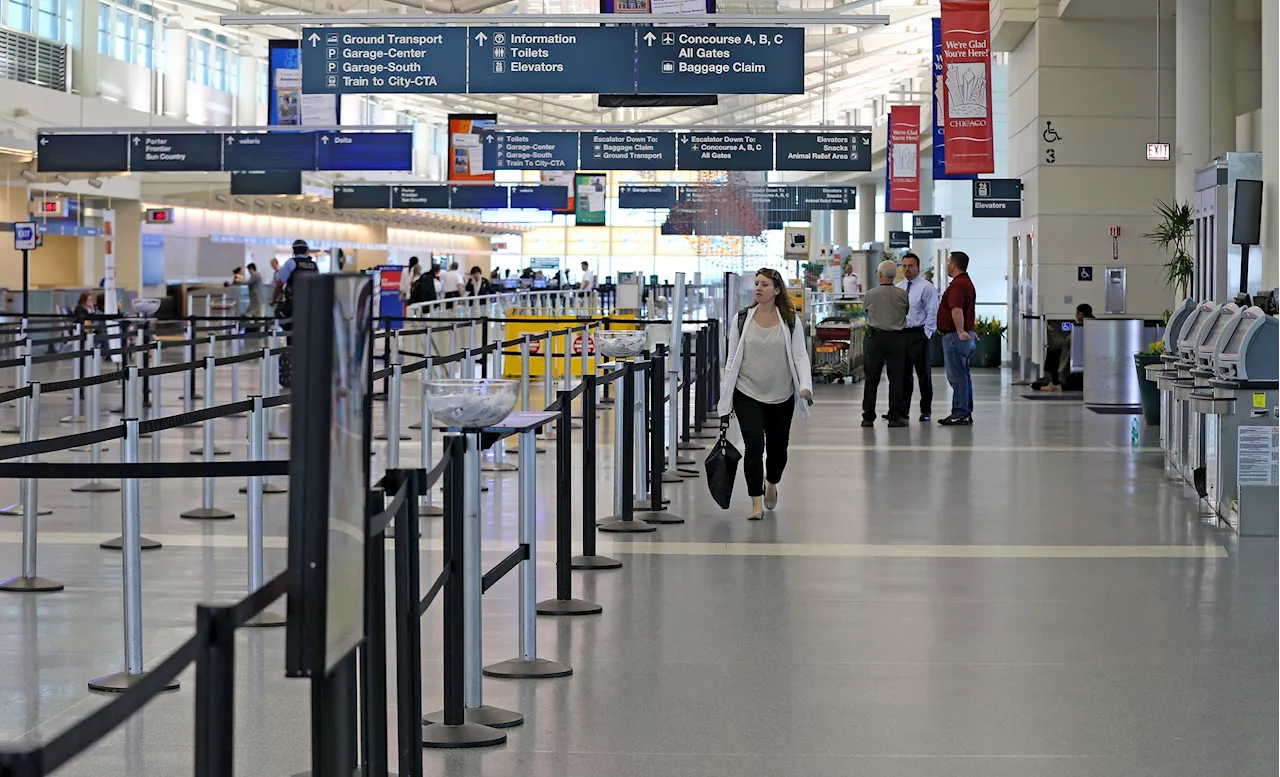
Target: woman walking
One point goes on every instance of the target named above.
(767, 369)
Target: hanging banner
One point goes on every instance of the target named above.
(903, 189)
(939, 137)
(966, 93)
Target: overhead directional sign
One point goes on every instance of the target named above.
(179, 152)
(726, 151)
(419, 196)
(269, 151)
(365, 151)
(550, 60)
(361, 196)
(286, 182)
(365, 60)
(823, 151)
(899, 239)
(530, 150)
(540, 197)
(997, 198)
(646, 196)
(629, 150)
(83, 153)
(926, 227)
(720, 60)
(478, 197)
(826, 197)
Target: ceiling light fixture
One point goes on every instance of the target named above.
(27, 174)
(95, 183)
(62, 179)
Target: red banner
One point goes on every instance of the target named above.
(904, 159)
(966, 87)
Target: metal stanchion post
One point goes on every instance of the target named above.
(705, 379)
(210, 374)
(393, 435)
(24, 377)
(428, 444)
(77, 372)
(526, 402)
(207, 511)
(131, 530)
(235, 366)
(623, 518)
(528, 665)
(564, 603)
(29, 581)
(215, 691)
(95, 485)
(258, 452)
(265, 385)
(133, 409)
(641, 470)
(686, 397)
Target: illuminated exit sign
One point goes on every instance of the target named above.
(1157, 152)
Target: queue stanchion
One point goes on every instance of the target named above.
(564, 603)
(210, 374)
(686, 397)
(25, 435)
(23, 378)
(77, 372)
(264, 390)
(132, 406)
(393, 435)
(548, 375)
(95, 484)
(702, 392)
(453, 344)
(258, 452)
(206, 511)
(427, 509)
(131, 530)
(640, 471)
(190, 395)
(590, 560)
(475, 710)
(624, 431)
(657, 408)
(234, 343)
(655, 508)
(29, 581)
(527, 665)
(273, 418)
(526, 380)
(499, 461)
(157, 411)
(453, 728)
(713, 371)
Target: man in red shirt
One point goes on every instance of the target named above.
(955, 322)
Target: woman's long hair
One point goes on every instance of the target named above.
(786, 308)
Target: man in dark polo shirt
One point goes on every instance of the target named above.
(955, 322)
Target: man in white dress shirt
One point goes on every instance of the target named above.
(922, 320)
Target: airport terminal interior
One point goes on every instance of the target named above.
(702, 388)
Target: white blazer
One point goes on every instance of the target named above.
(797, 356)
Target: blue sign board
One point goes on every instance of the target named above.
(726, 151)
(629, 150)
(361, 196)
(419, 196)
(365, 151)
(827, 197)
(477, 197)
(275, 182)
(841, 151)
(269, 151)
(540, 197)
(926, 227)
(82, 153)
(550, 60)
(720, 60)
(646, 196)
(997, 198)
(530, 150)
(178, 152)
(368, 60)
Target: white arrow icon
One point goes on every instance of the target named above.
(230, 140)
(650, 38)
(324, 139)
(314, 39)
(488, 138)
(481, 38)
(136, 140)
(44, 141)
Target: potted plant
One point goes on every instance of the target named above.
(1174, 234)
(1147, 388)
(986, 352)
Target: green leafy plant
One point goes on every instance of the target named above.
(1174, 234)
(1156, 348)
(989, 327)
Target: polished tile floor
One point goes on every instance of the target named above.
(1029, 596)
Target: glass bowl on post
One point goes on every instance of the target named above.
(621, 343)
(467, 403)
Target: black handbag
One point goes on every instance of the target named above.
(722, 467)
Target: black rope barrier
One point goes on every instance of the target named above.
(194, 417)
(53, 444)
(18, 393)
(75, 383)
(160, 469)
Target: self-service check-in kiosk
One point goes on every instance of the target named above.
(1190, 442)
(1164, 374)
(1239, 412)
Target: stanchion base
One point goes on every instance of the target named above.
(415, 425)
(30, 585)
(216, 452)
(491, 717)
(689, 446)
(17, 510)
(381, 436)
(123, 681)
(71, 419)
(568, 607)
(704, 436)
(208, 514)
(118, 543)
(277, 436)
(519, 669)
(594, 562)
(606, 401)
(430, 511)
(9, 430)
(670, 477)
(684, 460)
(688, 474)
(498, 466)
(266, 619)
(661, 518)
(267, 488)
(646, 505)
(615, 525)
(467, 735)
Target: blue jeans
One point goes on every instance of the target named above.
(956, 353)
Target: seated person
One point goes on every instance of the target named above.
(1057, 357)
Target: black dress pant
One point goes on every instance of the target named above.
(916, 347)
(885, 353)
(764, 428)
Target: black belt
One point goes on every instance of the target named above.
(914, 328)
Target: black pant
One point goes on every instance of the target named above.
(916, 347)
(884, 352)
(763, 427)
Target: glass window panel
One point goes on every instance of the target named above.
(144, 50)
(20, 14)
(104, 29)
(122, 35)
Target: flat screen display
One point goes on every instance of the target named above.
(1218, 325)
(1237, 337)
(466, 160)
(1187, 340)
(590, 199)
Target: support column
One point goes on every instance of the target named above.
(247, 87)
(1191, 95)
(866, 213)
(892, 223)
(176, 54)
(128, 244)
(1270, 145)
(1222, 77)
(840, 228)
(84, 51)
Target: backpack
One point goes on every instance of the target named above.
(742, 321)
(423, 289)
